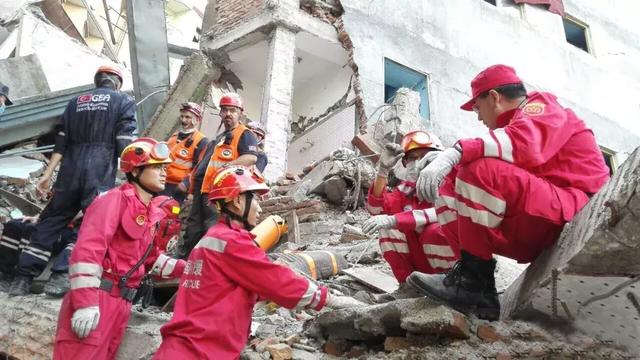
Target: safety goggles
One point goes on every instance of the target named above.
(419, 138)
(159, 151)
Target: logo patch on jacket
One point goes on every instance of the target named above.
(184, 152)
(534, 109)
(226, 153)
(140, 220)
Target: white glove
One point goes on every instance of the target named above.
(85, 320)
(427, 159)
(342, 302)
(378, 222)
(432, 175)
(389, 158)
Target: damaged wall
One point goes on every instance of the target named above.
(452, 42)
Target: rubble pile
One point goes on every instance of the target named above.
(18, 176)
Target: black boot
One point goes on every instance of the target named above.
(5, 282)
(469, 287)
(21, 286)
(58, 285)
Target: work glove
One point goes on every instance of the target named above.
(427, 159)
(378, 222)
(432, 175)
(389, 158)
(342, 302)
(85, 320)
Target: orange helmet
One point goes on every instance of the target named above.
(232, 181)
(110, 70)
(143, 152)
(231, 99)
(168, 228)
(193, 108)
(420, 140)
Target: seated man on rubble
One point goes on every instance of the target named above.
(115, 249)
(227, 273)
(410, 237)
(509, 191)
(15, 239)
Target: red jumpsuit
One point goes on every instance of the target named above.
(417, 243)
(115, 233)
(516, 186)
(225, 275)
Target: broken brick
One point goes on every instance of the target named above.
(488, 333)
(335, 347)
(262, 345)
(280, 351)
(367, 147)
(504, 356)
(356, 351)
(393, 343)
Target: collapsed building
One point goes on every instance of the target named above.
(324, 75)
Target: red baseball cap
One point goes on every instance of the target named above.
(490, 78)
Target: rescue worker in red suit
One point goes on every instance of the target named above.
(227, 273)
(410, 237)
(237, 145)
(116, 234)
(509, 191)
(93, 130)
(187, 145)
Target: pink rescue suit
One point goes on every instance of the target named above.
(417, 243)
(225, 274)
(115, 233)
(517, 186)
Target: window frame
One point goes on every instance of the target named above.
(613, 158)
(427, 86)
(587, 33)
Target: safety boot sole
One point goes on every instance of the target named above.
(484, 313)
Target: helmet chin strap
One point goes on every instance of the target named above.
(244, 219)
(136, 179)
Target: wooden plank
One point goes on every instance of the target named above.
(293, 235)
(373, 278)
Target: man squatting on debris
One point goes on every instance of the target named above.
(227, 273)
(410, 236)
(509, 191)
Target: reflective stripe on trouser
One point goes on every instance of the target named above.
(15, 235)
(103, 342)
(491, 207)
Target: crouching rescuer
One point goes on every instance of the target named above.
(115, 248)
(227, 273)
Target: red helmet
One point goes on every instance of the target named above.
(110, 70)
(420, 140)
(143, 152)
(168, 229)
(231, 99)
(232, 181)
(193, 108)
(257, 129)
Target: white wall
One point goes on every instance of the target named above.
(453, 40)
(317, 94)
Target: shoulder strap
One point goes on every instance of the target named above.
(123, 279)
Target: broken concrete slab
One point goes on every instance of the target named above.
(352, 233)
(373, 278)
(586, 278)
(18, 170)
(396, 318)
(194, 84)
(28, 326)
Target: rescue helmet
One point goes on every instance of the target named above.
(168, 228)
(193, 108)
(108, 69)
(234, 180)
(143, 152)
(257, 129)
(420, 139)
(231, 99)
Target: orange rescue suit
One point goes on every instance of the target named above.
(182, 156)
(222, 154)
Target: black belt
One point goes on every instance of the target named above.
(125, 292)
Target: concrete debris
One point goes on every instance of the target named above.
(351, 233)
(373, 278)
(18, 170)
(193, 84)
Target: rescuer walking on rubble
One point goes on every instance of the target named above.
(94, 129)
(227, 273)
(410, 236)
(237, 145)
(115, 249)
(186, 146)
(509, 191)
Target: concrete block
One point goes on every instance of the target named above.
(17, 170)
(589, 277)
